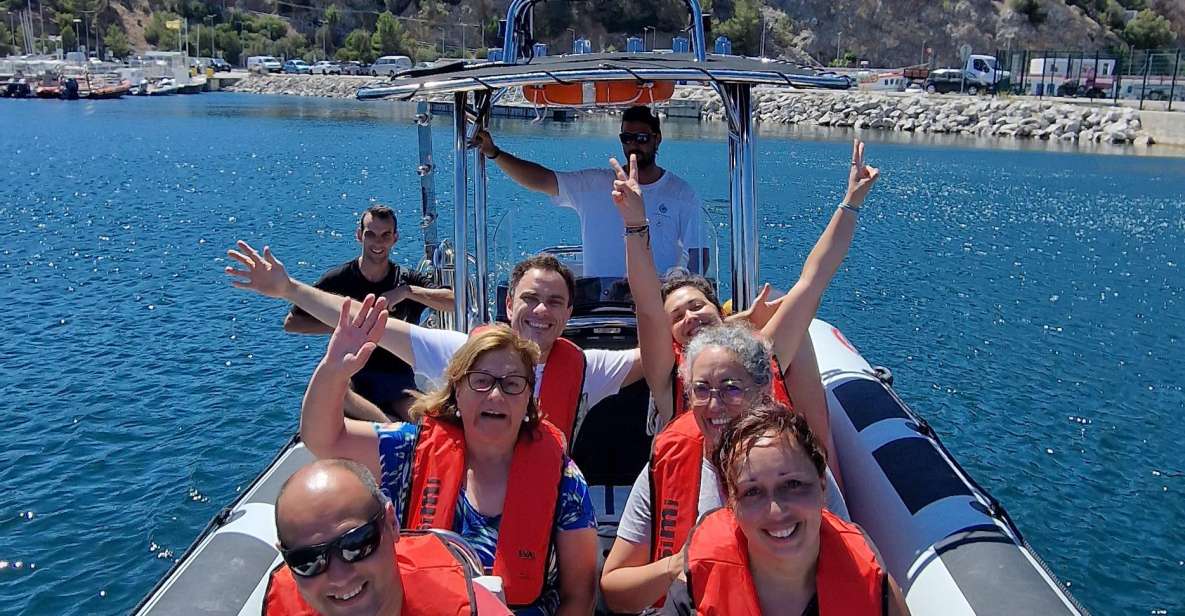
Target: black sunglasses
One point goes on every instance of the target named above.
(639, 138)
(351, 546)
(481, 382)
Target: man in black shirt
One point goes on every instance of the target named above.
(385, 378)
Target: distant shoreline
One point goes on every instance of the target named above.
(1022, 118)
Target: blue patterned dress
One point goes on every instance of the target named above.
(573, 510)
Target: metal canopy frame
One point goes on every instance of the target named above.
(734, 87)
(563, 70)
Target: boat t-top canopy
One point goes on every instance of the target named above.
(475, 88)
(585, 68)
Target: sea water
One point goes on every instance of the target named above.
(1030, 303)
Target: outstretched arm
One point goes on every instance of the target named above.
(527, 174)
(266, 275)
(296, 323)
(436, 299)
(323, 426)
(787, 327)
(654, 327)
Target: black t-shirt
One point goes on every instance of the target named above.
(347, 280)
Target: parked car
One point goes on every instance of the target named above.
(389, 65)
(297, 66)
(264, 64)
(944, 80)
(352, 67)
(220, 65)
(326, 67)
(1073, 88)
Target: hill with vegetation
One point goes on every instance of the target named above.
(835, 32)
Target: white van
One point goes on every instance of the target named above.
(264, 64)
(389, 65)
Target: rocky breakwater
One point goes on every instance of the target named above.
(328, 86)
(951, 114)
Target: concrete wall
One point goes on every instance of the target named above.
(1166, 127)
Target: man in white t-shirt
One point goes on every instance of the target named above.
(672, 207)
(538, 304)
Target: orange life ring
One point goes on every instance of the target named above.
(600, 93)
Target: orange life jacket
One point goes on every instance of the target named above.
(676, 459)
(848, 579)
(434, 583)
(562, 386)
(600, 93)
(777, 384)
(528, 512)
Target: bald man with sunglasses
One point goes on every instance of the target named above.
(673, 210)
(343, 556)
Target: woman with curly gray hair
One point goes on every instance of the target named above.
(725, 370)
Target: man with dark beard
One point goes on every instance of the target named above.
(672, 207)
(386, 379)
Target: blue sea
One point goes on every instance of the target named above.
(1031, 304)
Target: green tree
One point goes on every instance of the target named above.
(7, 40)
(117, 42)
(1149, 30)
(256, 44)
(270, 26)
(1028, 8)
(848, 59)
(158, 34)
(291, 46)
(66, 29)
(226, 39)
(389, 37)
(1113, 15)
(333, 20)
(357, 46)
(744, 27)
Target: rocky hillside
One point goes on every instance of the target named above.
(840, 32)
(898, 32)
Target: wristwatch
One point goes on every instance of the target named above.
(497, 153)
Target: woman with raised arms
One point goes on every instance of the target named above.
(725, 370)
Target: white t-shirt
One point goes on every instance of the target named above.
(672, 207)
(604, 370)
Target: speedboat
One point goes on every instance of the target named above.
(951, 546)
(16, 87)
(163, 87)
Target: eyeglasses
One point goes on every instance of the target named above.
(730, 392)
(639, 138)
(481, 382)
(352, 546)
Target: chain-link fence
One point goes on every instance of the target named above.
(1137, 74)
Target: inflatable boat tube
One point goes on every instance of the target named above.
(947, 542)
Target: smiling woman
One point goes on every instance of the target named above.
(774, 548)
(482, 462)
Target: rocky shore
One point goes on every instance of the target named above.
(1005, 117)
(944, 113)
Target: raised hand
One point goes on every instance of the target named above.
(354, 339)
(484, 142)
(627, 193)
(861, 177)
(265, 274)
(762, 309)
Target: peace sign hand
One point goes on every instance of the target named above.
(627, 193)
(861, 177)
(355, 338)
